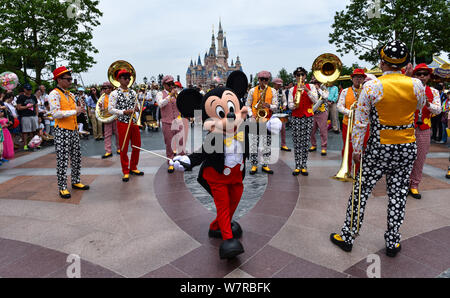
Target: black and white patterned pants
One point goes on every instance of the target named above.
(301, 134)
(67, 145)
(254, 147)
(396, 162)
(255, 139)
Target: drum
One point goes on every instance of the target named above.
(283, 117)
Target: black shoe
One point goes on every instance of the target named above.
(107, 155)
(267, 170)
(304, 172)
(336, 132)
(126, 178)
(416, 196)
(337, 240)
(137, 173)
(64, 194)
(285, 148)
(312, 149)
(296, 172)
(80, 186)
(235, 229)
(392, 252)
(230, 249)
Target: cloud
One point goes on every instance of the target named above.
(163, 36)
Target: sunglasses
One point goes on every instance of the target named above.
(264, 79)
(419, 74)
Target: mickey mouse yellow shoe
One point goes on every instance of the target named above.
(253, 170)
(296, 172)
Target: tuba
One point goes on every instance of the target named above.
(326, 69)
(101, 111)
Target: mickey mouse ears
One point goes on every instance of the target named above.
(238, 82)
(188, 101)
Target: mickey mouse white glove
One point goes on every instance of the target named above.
(177, 165)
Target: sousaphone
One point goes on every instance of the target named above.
(102, 113)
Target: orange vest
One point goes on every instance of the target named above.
(106, 102)
(349, 101)
(67, 103)
(268, 100)
(397, 108)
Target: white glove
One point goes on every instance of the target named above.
(177, 165)
(274, 125)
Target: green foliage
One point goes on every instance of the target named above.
(38, 34)
(286, 76)
(354, 31)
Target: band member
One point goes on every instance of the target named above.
(123, 103)
(172, 124)
(269, 104)
(110, 129)
(320, 120)
(389, 104)
(332, 108)
(302, 119)
(423, 127)
(347, 98)
(282, 106)
(67, 140)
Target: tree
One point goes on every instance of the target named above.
(422, 20)
(286, 76)
(41, 34)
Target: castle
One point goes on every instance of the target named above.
(215, 69)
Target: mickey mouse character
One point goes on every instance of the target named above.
(222, 155)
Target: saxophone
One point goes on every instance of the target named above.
(299, 93)
(261, 112)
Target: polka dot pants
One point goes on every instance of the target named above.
(396, 162)
(67, 145)
(301, 134)
(266, 139)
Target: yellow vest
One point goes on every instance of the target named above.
(67, 103)
(349, 101)
(397, 108)
(257, 97)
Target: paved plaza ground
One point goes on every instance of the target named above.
(153, 226)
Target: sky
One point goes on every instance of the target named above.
(163, 36)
